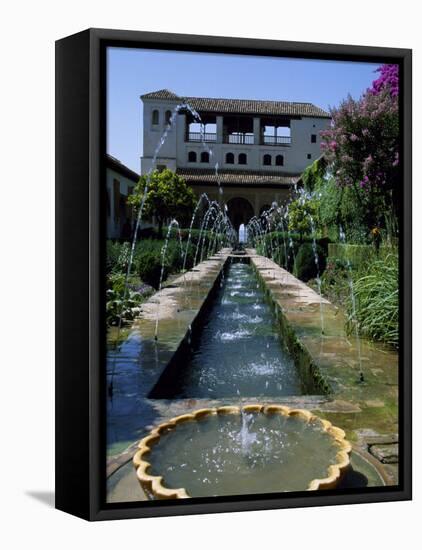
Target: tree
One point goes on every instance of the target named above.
(303, 216)
(315, 174)
(338, 206)
(388, 81)
(167, 196)
(362, 146)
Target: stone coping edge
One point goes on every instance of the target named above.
(154, 484)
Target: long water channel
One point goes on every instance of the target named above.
(238, 350)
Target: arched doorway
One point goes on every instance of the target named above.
(239, 211)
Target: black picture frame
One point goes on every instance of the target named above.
(80, 325)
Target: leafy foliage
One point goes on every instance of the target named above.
(117, 256)
(283, 247)
(362, 147)
(335, 281)
(315, 174)
(120, 304)
(301, 211)
(146, 270)
(305, 266)
(168, 196)
(147, 256)
(377, 301)
(339, 206)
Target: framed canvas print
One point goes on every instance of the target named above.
(233, 274)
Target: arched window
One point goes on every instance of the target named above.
(243, 159)
(155, 117)
(279, 160)
(267, 160)
(192, 156)
(205, 157)
(229, 158)
(168, 117)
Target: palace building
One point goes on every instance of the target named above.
(261, 147)
(120, 183)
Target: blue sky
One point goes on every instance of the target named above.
(133, 72)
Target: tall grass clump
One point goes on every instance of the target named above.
(377, 301)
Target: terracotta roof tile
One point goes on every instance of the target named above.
(255, 107)
(240, 177)
(161, 94)
(243, 106)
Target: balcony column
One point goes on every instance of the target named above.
(219, 123)
(257, 131)
(181, 127)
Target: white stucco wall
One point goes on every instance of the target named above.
(113, 225)
(174, 152)
(152, 132)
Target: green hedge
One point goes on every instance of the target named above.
(357, 254)
(147, 259)
(306, 265)
(278, 245)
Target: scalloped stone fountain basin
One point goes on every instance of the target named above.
(234, 451)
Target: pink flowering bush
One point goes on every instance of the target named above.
(362, 146)
(388, 80)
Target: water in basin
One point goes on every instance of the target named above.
(232, 454)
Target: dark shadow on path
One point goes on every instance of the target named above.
(353, 479)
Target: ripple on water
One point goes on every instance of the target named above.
(230, 336)
(265, 368)
(255, 320)
(235, 316)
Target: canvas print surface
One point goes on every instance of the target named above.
(252, 300)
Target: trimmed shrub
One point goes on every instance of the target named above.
(148, 265)
(123, 306)
(305, 266)
(148, 233)
(148, 255)
(278, 243)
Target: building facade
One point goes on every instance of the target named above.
(120, 183)
(260, 147)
